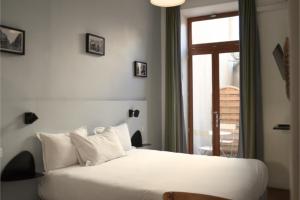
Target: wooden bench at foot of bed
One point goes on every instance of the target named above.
(188, 196)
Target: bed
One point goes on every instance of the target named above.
(148, 174)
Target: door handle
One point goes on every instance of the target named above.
(217, 119)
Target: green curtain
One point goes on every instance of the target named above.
(251, 129)
(175, 136)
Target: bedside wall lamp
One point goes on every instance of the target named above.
(134, 113)
(30, 117)
(21, 167)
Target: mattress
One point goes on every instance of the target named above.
(147, 174)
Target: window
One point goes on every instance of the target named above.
(214, 84)
(215, 30)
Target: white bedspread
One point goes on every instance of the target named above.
(147, 174)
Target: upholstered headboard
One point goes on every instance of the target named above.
(57, 116)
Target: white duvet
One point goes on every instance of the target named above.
(147, 174)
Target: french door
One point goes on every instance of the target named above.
(213, 75)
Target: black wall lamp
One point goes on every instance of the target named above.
(21, 167)
(30, 117)
(134, 113)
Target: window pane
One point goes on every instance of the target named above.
(229, 103)
(215, 30)
(202, 104)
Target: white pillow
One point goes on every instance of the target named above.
(123, 133)
(58, 150)
(79, 132)
(100, 148)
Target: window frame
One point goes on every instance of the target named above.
(214, 49)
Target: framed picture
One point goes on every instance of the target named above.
(95, 44)
(12, 40)
(140, 69)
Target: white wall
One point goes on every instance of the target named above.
(276, 107)
(56, 66)
(197, 3)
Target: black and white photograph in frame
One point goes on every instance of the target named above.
(95, 44)
(140, 69)
(12, 40)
